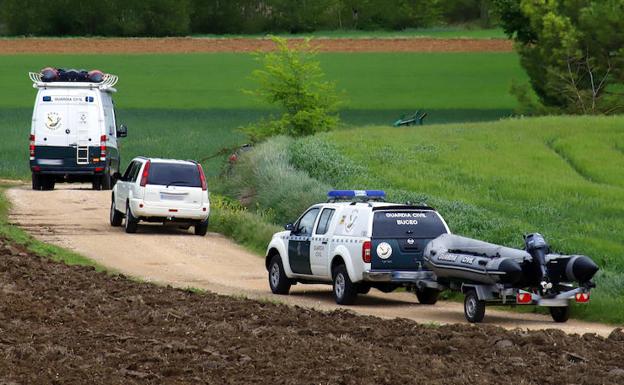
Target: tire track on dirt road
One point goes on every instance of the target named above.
(76, 218)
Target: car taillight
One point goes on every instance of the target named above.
(32, 147)
(103, 148)
(582, 297)
(202, 177)
(145, 173)
(366, 252)
(524, 297)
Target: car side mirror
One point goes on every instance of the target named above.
(289, 227)
(117, 176)
(122, 131)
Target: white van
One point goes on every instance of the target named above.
(73, 137)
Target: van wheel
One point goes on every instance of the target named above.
(427, 296)
(345, 292)
(106, 181)
(36, 181)
(131, 222)
(47, 182)
(115, 216)
(278, 281)
(97, 183)
(560, 314)
(201, 228)
(474, 309)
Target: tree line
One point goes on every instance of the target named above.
(184, 17)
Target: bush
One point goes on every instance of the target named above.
(293, 80)
(264, 178)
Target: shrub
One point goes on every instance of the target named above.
(293, 80)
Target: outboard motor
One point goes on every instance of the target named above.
(536, 245)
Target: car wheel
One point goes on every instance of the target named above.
(131, 222)
(560, 314)
(201, 228)
(36, 181)
(115, 216)
(278, 281)
(427, 296)
(345, 292)
(474, 309)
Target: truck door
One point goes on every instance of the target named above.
(319, 246)
(299, 243)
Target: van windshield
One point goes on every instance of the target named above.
(174, 174)
(405, 223)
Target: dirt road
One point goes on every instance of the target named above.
(195, 45)
(76, 218)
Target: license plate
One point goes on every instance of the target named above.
(50, 162)
(172, 197)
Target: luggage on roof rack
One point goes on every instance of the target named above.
(51, 75)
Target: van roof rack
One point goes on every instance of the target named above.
(356, 195)
(107, 83)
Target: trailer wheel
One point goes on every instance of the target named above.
(427, 296)
(560, 314)
(474, 309)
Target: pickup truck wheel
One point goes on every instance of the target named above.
(474, 309)
(115, 216)
(345, 292)
(131, 222)
(427, 296)
(278, 281)
(201, 228)
(560, 314)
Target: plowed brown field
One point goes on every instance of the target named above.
(72, 325)
(189, 44)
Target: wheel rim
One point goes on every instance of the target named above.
(339, 285)
(275, 275)
(471, 306)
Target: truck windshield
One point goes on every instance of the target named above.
(174, 174)
(405, 223)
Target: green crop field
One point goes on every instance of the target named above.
(561, 176)
(190, 105)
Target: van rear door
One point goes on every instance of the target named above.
(399, 238)
(50, 121)
(174, 185)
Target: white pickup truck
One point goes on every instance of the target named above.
(356, 242)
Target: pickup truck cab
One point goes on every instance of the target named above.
(163, 191)
(356, 241)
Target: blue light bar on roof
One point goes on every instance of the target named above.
(356, 194)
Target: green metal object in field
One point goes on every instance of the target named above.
(416, 119)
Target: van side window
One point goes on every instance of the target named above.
(324, 221)
(126, 174)
(304, 227)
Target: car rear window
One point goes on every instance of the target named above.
(174, 174)
(413, 224)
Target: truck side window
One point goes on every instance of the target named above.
(306, 222)
(324, 221)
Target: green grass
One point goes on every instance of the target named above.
(189, 106)
(493, 181)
